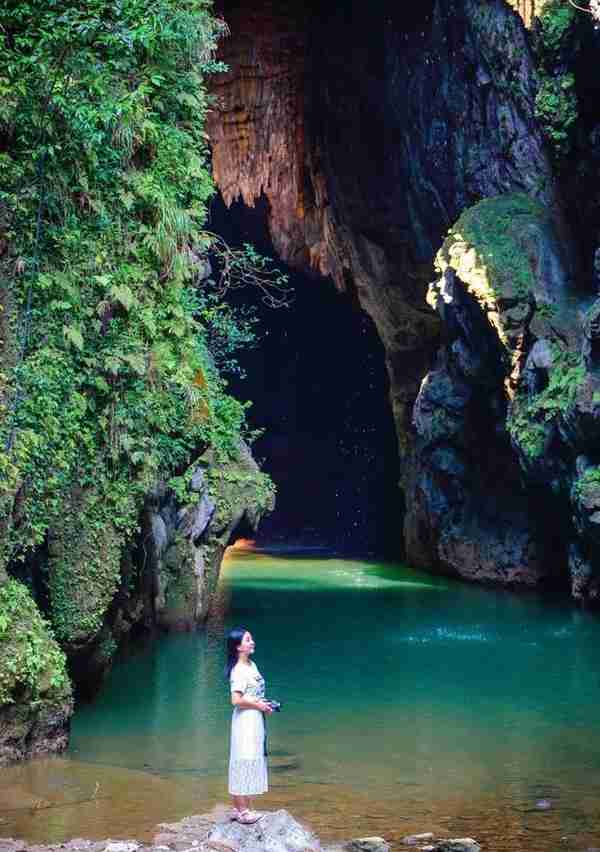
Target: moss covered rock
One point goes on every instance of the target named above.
(508, 254)
(35, 692)
(83, 569)
(227, 495)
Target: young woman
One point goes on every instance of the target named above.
(247, 760)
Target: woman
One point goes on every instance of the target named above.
(247, 760)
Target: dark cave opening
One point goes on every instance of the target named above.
(318, 385)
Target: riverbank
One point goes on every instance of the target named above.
(277, 831)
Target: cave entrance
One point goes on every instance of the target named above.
(319, 388)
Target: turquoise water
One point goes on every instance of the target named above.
(410, 703)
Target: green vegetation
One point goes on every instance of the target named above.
(116, 330)
(492, 227)
(588, 484)
(556, 109)
(530, 414)
(556, 105)
(555, 25)
(31, 663)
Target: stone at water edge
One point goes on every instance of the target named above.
(277, 831)
(367, 844)
(457, 844)
(414, 839)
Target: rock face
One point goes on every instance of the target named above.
(35, 692)
(368, 145)
(187, 542)
(502, 297)
(507, 468)
(409, 117)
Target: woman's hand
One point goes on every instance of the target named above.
(264, 707)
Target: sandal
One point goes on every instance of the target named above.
(247, 817)
(234, 814)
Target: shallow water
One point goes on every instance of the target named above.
(411, 703)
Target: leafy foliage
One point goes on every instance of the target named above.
(556, 105)
(588, 484)
(530, 415)
(104, 182)
(31, 661)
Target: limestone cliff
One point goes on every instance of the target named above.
(368, 135)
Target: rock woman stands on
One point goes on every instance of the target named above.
(247, 759)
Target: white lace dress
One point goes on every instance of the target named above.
(247, 761)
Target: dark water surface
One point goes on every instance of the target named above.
(411, 703)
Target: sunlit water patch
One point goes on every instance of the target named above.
(410, 703)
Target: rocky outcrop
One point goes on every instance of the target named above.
(502, 297)
(35, 692)
(507, 475)
(186, 543)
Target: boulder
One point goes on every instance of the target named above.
(275, 832)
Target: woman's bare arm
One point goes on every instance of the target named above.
(238, 700)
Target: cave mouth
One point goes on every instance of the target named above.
(319, 388)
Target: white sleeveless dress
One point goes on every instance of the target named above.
(247, 761)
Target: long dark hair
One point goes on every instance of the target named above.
(234, 637)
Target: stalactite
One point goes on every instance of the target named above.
(528, 9)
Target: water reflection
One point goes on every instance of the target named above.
(411, 703)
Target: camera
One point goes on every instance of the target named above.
(275, 705)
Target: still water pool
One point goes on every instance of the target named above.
(410, 703)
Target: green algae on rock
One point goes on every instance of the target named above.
(510, 363)
(83, 568)
(35, 692)
(188, 536)
(507, 252)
